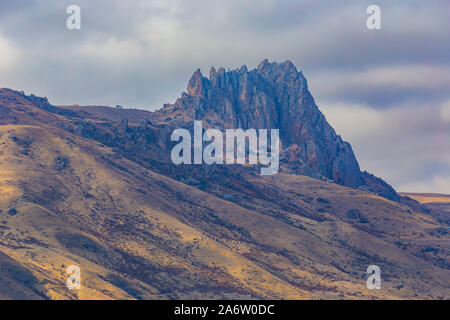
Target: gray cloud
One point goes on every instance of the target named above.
(141, 53)
(408, 145)
(384, 87)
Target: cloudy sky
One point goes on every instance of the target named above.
(385, 91)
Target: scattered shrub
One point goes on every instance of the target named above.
(353, 214)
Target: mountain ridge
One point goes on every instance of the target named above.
(81, 188)
(270, 96)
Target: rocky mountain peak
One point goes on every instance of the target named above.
(196, 85)
(273, 96)
(276, 96)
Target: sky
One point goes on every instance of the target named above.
(385, 91)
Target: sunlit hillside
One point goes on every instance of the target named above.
(138, 234)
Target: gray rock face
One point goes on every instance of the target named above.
(273, 96)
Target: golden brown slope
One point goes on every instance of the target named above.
(438, 205)
(138, 234)
(429, 197)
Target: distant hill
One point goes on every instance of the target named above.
(437, 204)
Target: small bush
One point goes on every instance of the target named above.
(322, 200)
(353, 214)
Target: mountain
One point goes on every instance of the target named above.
(95, 187)
(272, 96)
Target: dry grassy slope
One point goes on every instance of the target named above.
(134, 116)
(429, 197)
(137, 234)
(437, 204)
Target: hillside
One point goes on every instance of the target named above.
(96, 190)
(437, 205)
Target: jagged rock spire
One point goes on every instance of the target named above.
(274, 96)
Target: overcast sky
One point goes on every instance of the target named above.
(385, 91)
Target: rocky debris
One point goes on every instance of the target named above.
(40, 102)
(12, 211)
(61, 163)
(355, 214)
(430, 249)
(227, 196)
(122, 127)
(189, 180)
(22, 141)
(322, 200)
(441, 231)
(379, 187)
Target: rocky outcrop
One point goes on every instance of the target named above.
(276, 96)
(273, 96)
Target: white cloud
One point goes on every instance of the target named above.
(436, 184)
(111, 50)
(428, 78)
(9, 55)
(355, 121)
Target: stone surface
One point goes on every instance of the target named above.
(272, 96)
